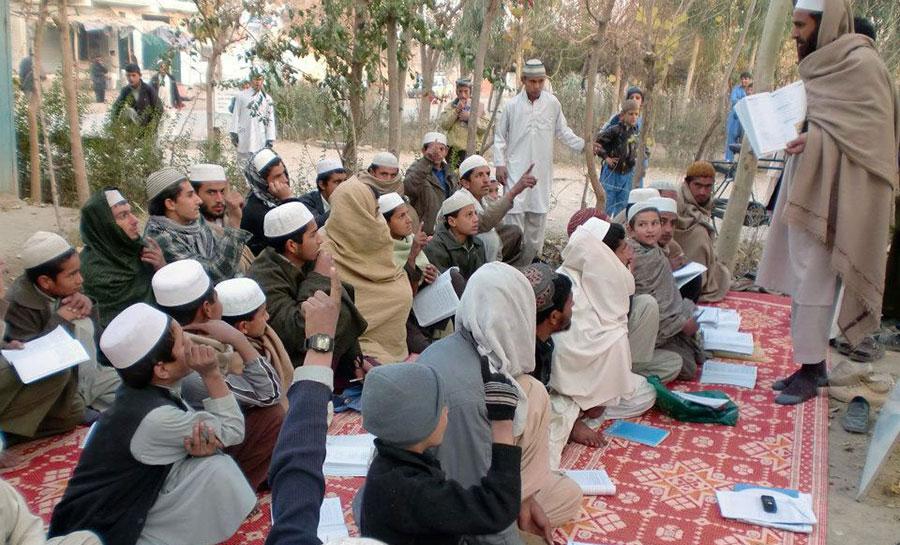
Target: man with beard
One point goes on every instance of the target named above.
(220, 206)
(841, 169)
(695, 232)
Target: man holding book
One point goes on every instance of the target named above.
(843, 165)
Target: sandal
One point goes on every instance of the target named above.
(856, 419)
(868, 350)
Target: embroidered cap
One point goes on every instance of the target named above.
(388, 202)
(328, 165)
(642, 194)
(180, 283)
(541, 278)
(163, 179)
(132, 334)
(641, 207)
(285, 219)
(457, 201)
(385, 159)
(430, 137)
(239, 296)
(471, 162)
(533, 68)
(42, 247)
(206, 172)
(665, 205)
(264, 158)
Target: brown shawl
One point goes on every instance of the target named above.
(847, 174)
(270, 347)
(695, 234)
(653, 275)
(360, 241)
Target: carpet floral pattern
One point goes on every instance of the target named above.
(664, 494)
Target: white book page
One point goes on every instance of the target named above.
(331, 521)
(437, 301)
(348, 455)
(46, 355)
(713, 402)
(593, 482)
(728, 341)
(733, 374)
(790, 103)
(746, 505)
(687, 273)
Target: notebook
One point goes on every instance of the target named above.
(331, 521)
(794, 511)
(435, 302)
(593, 482)
(639, 433)
(723, 319)
(46, 355)
(717, 340)
(770, 120)
(687, 273)
(733, 374)
(348, 455)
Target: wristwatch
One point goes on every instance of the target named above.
(320, 342)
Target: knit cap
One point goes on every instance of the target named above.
(402, 402)
(533, 68)
(163, 179)
(630, 105)
(700, 169)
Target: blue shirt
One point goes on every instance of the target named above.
(442, 178)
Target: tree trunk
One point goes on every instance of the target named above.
(39, 93)
(593, 63)
(689, 80)
(356, 93)
(619, 86)
(211, 95)
(68, 79)
(395, 100)
(769, 48)
(34, 106)
(428, 68)
(726, 77)
(483, 40)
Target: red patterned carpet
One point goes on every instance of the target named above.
(665, 494)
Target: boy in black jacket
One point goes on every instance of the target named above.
(617, 145)
(408, 499)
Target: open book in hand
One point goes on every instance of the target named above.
(770, 120)
(435, 302)
(593, 482)
(46, 355)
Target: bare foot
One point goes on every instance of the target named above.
(584, 435)
(10, 459)
(595, 412)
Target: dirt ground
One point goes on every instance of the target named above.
(873, 521)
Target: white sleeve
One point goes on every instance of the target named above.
(236, 114)
(270, 126)
(566, 135)
(501, 136)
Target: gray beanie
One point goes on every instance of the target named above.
(402, 402)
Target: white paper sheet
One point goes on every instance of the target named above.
(348, 455)
(437, 301)
(331, 521)
(713, 402)
(733, 374)
(593, 482)
(747, 506)
(687, 273)
(723, 319)
(770, 119)
(46, 355)
(727, 341)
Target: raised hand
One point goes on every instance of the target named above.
(420, 239)
(321, 311)
(527, 181)
(153, 255)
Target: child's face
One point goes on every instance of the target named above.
(309, 248)
(67, 282)
(213, 309)
(625, 253)
(645, 228)
(666, 228)
(256, 327)
(178, 368)
(465, 222)
(400, 223)
(630, 117)
(479, 182)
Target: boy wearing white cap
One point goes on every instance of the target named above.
(184, 292)
(48, 295)
(528, 127)
(653, 275)
(175, 223)
(668, 222)
(430, 180)
(270, 185)
(151, 457)
(329, 174)
(637, 195)
(292, 269)
(456, 245)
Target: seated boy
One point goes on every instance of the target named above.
(291, 270)
(668, 221)
(184, 291)
(244, 308)
(617, 146)
(408, 498)
(150, 472)
(46, 296)
(653, 275)
(457, 246)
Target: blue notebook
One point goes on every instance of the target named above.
(648, 435)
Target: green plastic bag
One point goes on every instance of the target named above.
(683, 410)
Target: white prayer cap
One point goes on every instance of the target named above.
(113, 197)
(285, 219)
(163, 179)
(810, 5)
(328, 165)
(385, 159)
(642, 194)
(388, 202)
(264, 158)
(457, 201)
(430, 137)
(663, 185)
(239, 296)
(472, 161)
(596, 227)
(180, 283)
(206, 172)
(132, 334)
(42, 247)
(664, 205)
(533, 68)
(637, 208)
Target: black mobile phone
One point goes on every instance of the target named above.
(769, 505)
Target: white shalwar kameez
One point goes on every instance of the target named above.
(524, 136)
(253, 119)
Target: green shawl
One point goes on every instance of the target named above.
(402, 248)
(111, 265)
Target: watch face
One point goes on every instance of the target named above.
(321, 343)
